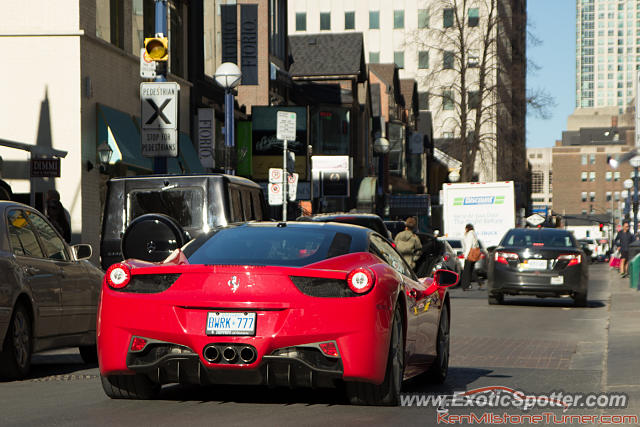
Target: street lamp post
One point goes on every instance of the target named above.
(228, 75)
(104, 156)
(381, 147)
(635, 162)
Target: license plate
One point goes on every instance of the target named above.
(534, 264)
(231, 323)
(557, 280)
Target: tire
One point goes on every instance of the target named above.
(89, 354)
(15, 359)
(440, 367)
(152, 237)
(495, 299)
(387, 393)
(135, 386)
(580, 299)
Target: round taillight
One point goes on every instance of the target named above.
(118, 276)
(361, 280)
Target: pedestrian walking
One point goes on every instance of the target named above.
(623, 239)
(471, 249)
(408, 244)
(57, 216)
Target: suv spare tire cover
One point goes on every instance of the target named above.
(152, 237)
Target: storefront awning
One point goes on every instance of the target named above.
(120, 132)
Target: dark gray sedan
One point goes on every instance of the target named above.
(545, 262)
(48, 292)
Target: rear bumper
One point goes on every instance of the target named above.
(506, 281)
(360, 328)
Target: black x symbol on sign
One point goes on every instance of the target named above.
(158, 111)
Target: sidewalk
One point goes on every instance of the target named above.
(622, 362)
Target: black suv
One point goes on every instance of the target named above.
(147, 217)
(368, 220)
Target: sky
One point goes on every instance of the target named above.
(553, 23)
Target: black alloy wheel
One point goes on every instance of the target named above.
(495, 299)
(440, 367)
(135, 386)
(15, 359)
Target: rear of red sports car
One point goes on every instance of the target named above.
(243, 307)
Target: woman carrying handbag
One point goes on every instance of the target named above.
(472, 252)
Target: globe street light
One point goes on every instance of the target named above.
(454, 175)
(228, 75)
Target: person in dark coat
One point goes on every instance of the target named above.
(622, 241)
(57, 216)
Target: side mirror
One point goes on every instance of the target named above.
(82, 251)
(445, 278)
(491, 249)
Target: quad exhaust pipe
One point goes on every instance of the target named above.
(229, 354)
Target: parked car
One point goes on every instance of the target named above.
(48, 293)
(543, 262)
(395, 227)
(281, 304)
(436, 254)
(148, 217)
(480, 267)
(594, 249)
(371, 221)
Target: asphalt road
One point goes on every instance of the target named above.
(529, 344)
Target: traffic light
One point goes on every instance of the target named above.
(601, 226)
(157, 48)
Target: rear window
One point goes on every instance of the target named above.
(539, 238)
(286, 246)
(369, 223)
(455, 244)
(182, 204)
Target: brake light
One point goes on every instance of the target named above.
(574, 259)
(446, 257)
(329, 349)
(482, 255)
(393, 244)
(118, 276)
(361, 280)
(461, 256)
(505, 257)
(138, 344)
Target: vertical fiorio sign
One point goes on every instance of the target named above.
(249, 43)
(206, 137)
(229, 37)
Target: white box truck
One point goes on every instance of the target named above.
(489, 206)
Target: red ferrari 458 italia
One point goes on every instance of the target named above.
(280, 304)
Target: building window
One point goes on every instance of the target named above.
(592, 159)
(473, 60)
(608, 196)
(592, 196)
(616, 176)
(398, 19)
(423, 100)
(616, 196)
(374, 57)
(584, 196)
(398, 59)
(474, 17)
(447, 60)
(374, 19)
(584, 211)
(537, 182)
(583, 177)
(143, 22)
(608, 176)
(592, 176)
(349, 20)
(584, 159)
(447, 100)
(423, 59)
(301, 21)
(325, 21)
(109, 21)
(447, 18)
(423, 18)
(473, 99)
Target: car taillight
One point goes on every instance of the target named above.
(505, 257)
(446, 257)
(118, 276)
(574, 259)
(138, 344)
(329, 349)
(461, 256)
(482, 256)
(361, 280)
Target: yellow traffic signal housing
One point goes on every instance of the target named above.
(157, 48)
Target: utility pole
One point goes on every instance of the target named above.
(160, 163)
